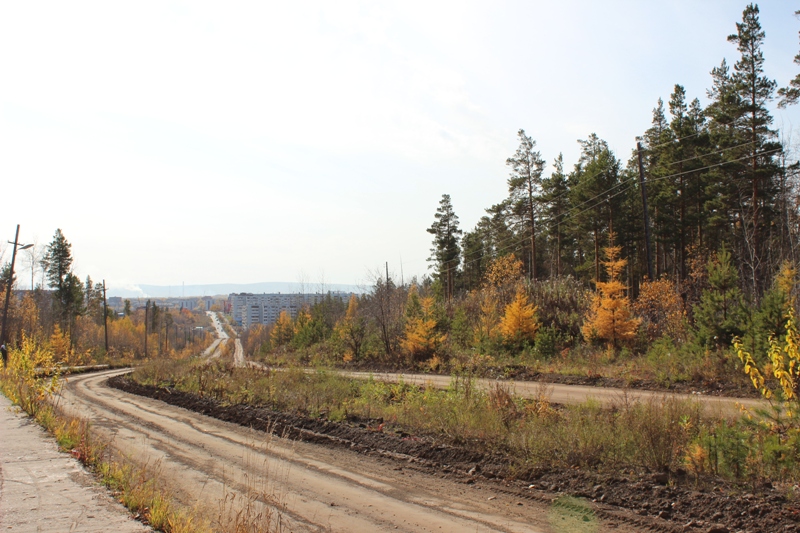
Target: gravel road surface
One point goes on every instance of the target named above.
(301, 486)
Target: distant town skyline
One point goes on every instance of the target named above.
(207, 142)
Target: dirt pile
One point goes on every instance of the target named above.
(654, 502)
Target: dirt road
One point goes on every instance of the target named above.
(306, 487)
(571, 394)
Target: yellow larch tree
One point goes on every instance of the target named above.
(283, 330)
(502, 279)
(503, 276)
(351, 330)
(519, 324)
(610, 318)
(420, 338)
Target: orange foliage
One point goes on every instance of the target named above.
(661, 309)
(610, 317)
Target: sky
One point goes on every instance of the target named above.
(241, 142)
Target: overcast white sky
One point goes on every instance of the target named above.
(239, 142)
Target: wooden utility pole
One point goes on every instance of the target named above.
(105, 315)
(10, 282)
(646, 215)
(146, 315)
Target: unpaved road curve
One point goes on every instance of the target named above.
(571, 394)
(315, 488)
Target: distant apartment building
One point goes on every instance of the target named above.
(249, 309)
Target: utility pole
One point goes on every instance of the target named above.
(646, 215)
(4, 331)
(105, 315)
(146, 315)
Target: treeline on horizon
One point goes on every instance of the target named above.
(72, 324)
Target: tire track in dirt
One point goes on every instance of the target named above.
(305, 487)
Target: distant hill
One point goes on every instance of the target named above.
(223, 289)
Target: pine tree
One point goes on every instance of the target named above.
(721, 314)
(524, 187)
(67, 288)
(594, 199)
(555, 197)
(446, 251)
(610, 318)
(755, 90)
(791, 94)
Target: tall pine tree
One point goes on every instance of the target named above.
(446, 251)
(524, 188)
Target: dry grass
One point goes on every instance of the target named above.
(653, 435)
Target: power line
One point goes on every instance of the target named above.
(631, 183)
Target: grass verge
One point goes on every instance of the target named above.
(660, 435)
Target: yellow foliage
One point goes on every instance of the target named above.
(784, 362)
(502, 278)
(27, 368)
(696, 459)
(29, 313)
(503, 270)
(420, 338)
(786, 278)
(351, 330)
(63, 351)
(283, 330)
(302, 320)
(519, 323)
(489, 315)
(610, 317)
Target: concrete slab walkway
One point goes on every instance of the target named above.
(44, 490)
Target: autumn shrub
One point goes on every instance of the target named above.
(283, 330)
(660, 307)
(25, 380)
(661, 429)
